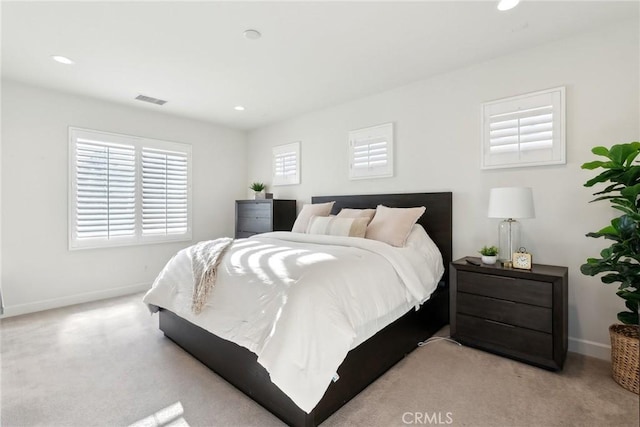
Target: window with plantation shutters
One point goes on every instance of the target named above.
(526, 130)
(105, 190)
(164, 192)
(286, 164)
(371, 152)
(127, 190)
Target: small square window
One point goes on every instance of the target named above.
(371, 152)
(525, 130)
(286, 164)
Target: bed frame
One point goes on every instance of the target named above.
(363, 364)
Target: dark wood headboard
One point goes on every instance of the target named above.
(436, 220)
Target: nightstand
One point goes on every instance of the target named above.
(264, 215)
(521, 314)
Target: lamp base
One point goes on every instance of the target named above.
(508, 239)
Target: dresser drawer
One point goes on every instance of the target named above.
(513, 313)
(506, 288)
(254, 210)
(253, 224)
(508, 337)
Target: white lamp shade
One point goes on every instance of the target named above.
(511, 202)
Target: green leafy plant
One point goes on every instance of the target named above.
(488, 251)
(257, 186)
(621, 260)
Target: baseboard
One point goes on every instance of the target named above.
(590, 348)
(33, 307)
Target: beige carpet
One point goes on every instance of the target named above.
(107, 364)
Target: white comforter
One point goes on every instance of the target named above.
(301, 302)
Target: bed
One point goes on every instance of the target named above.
(362, 364)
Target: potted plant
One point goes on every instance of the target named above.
(258, 188)
(489, 254)
(620, 262)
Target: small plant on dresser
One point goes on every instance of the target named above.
(258, 189)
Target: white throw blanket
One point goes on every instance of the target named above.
(205, 257)
(301, 302)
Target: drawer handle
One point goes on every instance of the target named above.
(499, 323)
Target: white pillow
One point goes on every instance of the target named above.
(393, 225)
(318, 209)
(357, 213)
(419, 240)
(334, 226)
(423, 254)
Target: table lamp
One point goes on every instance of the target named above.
(510, 203)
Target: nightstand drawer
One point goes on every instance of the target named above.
(254, 210)
(506, 288)
(509, 338)
(513, 313)
(253, 224)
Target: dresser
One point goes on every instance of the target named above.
(521, 314)
(264, 215)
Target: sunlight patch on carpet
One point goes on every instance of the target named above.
(171, 416)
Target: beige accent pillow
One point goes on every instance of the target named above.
(334, 226)
(318, 209)
(357, 213)
(393, 225)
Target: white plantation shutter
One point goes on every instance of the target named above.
(286, 164)
(524, 130)
(371, 152)
(164, 192)
(105, 190)
(527, 130)
(127, 190)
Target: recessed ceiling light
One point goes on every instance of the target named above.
(62, 59)
(507, 4)
(238, 108)
(252, 34)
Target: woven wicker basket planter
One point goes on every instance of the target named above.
(625, 356)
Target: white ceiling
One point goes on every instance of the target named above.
(311, 55)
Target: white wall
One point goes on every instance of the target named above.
(438, 148)
(38, 271)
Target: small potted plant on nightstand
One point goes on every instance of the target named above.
(489, 254)
(258, 188)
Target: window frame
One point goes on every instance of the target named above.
(278, 180)
(382, 131)
(138, 238)
(558, 147)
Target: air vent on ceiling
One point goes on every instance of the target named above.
(150, 99)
